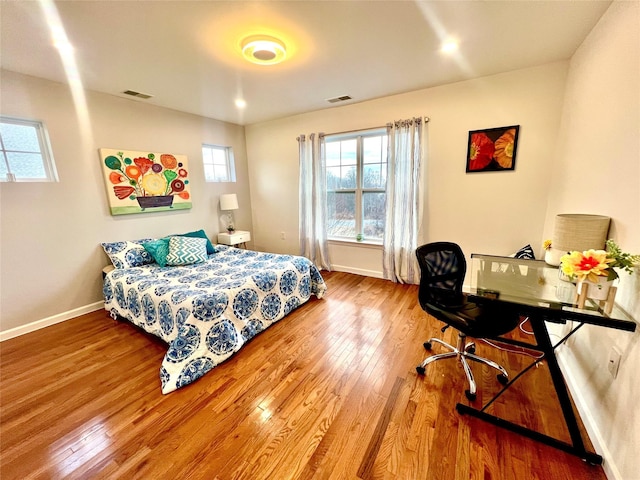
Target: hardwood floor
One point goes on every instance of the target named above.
(329, 392)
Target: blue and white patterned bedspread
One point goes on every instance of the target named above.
(206, 312)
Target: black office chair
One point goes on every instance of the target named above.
(442, 269)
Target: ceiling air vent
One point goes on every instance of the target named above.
(137, 94)
(341, 98)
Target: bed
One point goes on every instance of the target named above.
(208, 310)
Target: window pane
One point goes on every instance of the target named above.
(372, 177)
(26, 165)
(23, 138)
(219, 156)
(373, 213)
(372, 149)
(3, 169)
(209, 174)
(332, 154)
(220, 173)
(341, 214)
(207, 155)
(349, 152)
(348, 177)
(333, 178)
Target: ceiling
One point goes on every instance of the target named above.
(186, 54)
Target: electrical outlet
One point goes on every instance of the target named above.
(614, 361)
(283, 236)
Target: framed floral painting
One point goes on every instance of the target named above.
(142, 182)
(492, 149)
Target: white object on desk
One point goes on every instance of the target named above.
(235, 238)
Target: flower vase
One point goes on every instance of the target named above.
(552, 256)
(601, 291)
(595, 290)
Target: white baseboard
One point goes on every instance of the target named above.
(608, 464)
(357, 271)
(46, 322)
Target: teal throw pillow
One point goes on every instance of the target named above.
(186, 251)
(158, 249)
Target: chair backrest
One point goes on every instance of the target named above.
(442, 271)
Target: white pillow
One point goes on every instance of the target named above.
(127, 254)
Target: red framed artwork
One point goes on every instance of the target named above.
(492, 149)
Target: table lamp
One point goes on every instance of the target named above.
(228, 203)
(579, 232)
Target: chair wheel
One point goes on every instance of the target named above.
(420, 370)
(470, 396)
(427, 345)
(471, 349)
(503, 379)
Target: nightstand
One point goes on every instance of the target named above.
(106, 270)
(236, 238)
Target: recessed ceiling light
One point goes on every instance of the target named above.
(240, 103)
(449, 46)
(263, 50)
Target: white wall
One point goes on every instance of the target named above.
(50, 255)
(495, 212)
(597, 170)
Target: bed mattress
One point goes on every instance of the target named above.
(206, 312)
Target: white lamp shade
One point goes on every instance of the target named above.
(229, 202)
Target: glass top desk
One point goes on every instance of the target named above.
(536, 290)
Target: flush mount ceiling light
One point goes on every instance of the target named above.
(449, 46)
(263, 50)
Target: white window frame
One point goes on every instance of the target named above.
(45, 152)
(359, 190)
(229, 163)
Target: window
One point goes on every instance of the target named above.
(26, 153)
(356, 169)
(218, 164)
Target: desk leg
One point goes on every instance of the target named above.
(576, 447)
(543, 340)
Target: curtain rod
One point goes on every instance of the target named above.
(426, 119)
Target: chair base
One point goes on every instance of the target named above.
(464, 351)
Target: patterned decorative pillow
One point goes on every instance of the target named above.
(159, 249)
(186, 251)
(127, 254)
(525, 252)
(200, 234)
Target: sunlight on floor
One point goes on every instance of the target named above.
(91, 440)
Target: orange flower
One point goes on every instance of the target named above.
(133, 171)
(116, 178)
(504, 148)
(168, 161)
